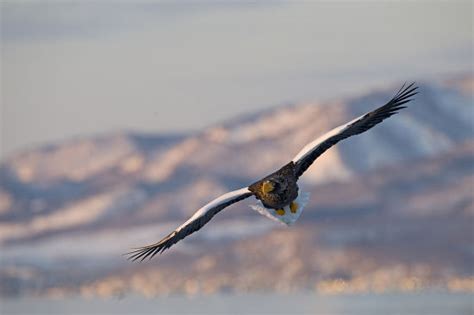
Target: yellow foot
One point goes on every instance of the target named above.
(280, 211)
(293, 207)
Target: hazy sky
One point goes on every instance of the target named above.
(88, 67)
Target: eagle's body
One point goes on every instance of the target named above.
(278, 192)
(285, 188)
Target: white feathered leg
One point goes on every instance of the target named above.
(288, 218)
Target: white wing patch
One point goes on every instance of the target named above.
(288, 218)
(315, 143)
(222, 199)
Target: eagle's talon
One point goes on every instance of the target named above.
(280, 211)
(294, 206)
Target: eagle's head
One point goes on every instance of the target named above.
(268, 186)
(273, 186)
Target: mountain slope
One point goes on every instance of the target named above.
(371, 196)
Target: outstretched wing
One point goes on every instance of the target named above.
(197, 221)
(359, 125)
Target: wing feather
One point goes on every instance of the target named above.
(313, 150)
(197, 221)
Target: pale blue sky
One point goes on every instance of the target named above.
(88, 67)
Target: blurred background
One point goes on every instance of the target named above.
(119, 119)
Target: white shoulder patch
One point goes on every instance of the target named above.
(314, 144)
(288, 218)
(219, 200)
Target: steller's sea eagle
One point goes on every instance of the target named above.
(278, 192)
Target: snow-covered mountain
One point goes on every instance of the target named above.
(72, 201)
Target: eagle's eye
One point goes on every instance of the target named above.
(268, 186)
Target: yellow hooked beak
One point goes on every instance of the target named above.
(267, 187)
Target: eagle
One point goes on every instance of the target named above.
(278, 192)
